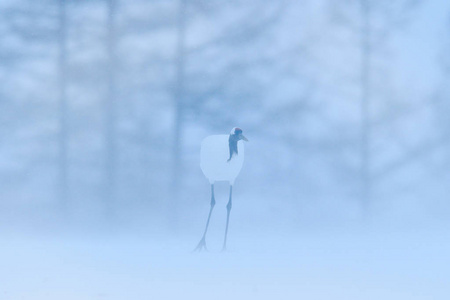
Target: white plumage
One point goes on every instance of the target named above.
(214, 154)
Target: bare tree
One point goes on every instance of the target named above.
(365, 104)
(371, 23)
(179, 101)
(63, 115)
(111, 109)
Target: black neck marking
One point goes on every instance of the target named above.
(232, 143)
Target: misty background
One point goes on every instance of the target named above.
(104, 104)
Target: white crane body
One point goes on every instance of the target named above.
(214, 155)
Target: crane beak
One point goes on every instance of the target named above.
(242, 137)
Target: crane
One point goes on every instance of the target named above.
(221, 159)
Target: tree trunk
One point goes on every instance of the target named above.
(366, 183)
(111, 113)
(62, 86)
(177, 169)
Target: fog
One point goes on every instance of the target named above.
(343, 193)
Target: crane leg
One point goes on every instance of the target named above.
(202, 244)
(229, 205)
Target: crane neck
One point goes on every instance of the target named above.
(232, 143)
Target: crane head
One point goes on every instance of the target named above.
(236, 134)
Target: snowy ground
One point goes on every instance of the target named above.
(307, 266)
